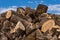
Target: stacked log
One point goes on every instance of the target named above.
(29, 24)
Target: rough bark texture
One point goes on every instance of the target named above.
(29, 24)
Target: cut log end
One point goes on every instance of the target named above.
(21, 10)
(47, 25)
(9, 13)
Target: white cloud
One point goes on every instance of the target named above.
(54, 9)
(57, 13)
(2, 10)
(36, 2)
(9, 8)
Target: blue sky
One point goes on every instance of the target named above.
(54, 5)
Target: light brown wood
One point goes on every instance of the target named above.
(29, 27)
(38, 34)
(30, 37)
(21, 10)
(8, 14)
(47, 25)
(59, 36)
(46, 15)
(19, 25)
(58, 30)
(56, 26)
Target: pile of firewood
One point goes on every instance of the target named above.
(29, 24)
